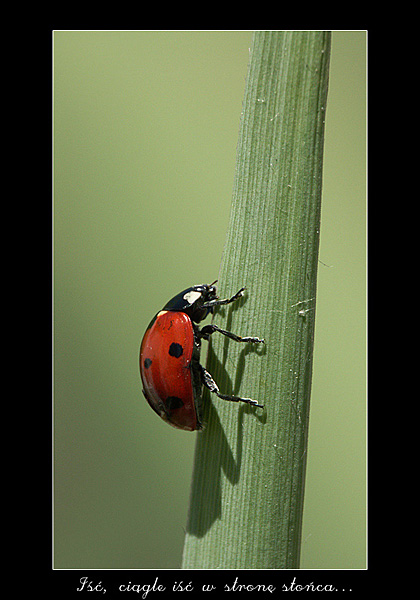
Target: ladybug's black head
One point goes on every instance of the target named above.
(192, 299)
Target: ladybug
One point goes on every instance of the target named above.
(170, 368)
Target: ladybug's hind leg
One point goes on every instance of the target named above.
(211, 385)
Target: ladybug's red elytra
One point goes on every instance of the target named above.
(170, 368)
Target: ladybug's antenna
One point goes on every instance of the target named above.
(214, 282)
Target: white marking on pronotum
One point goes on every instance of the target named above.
(192, 296)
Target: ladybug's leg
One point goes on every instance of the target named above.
(218, 302)
(211, 385)
(206, 332)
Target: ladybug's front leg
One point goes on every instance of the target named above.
(206, 332)
(211, 385)
(218, 302)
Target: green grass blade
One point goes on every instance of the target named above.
(249, 471)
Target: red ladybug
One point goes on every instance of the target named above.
(170, 368)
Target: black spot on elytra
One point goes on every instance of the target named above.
(173, 402)
(175, 350)
(147, 362)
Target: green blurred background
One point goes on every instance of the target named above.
(145, 133)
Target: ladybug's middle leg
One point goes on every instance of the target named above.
(206, 332)
(211, 385)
